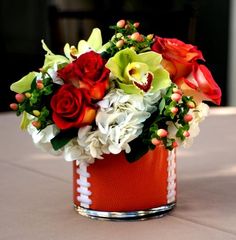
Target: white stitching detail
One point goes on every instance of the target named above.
(171, 192)
(83, 185)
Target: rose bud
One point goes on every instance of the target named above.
(36, 124)
(20, 97)
(162, 132)
(186, 134)
(188, 118)
(120, 23)
(176, 97)
(14, 106)
(174, 110)
(155, 141)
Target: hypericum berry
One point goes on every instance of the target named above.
(28, 95)
(176, 90)
(174, 110)
(20, 97)
(132, 48)
(36, 113)
(36, 124)
(176, 97)
(120, 43)
(186, 134)
(174, 144)
(39, 85)
(14, 106)
(136, 24)
(162, 132)
(188, 118)
(155, 141)
(137, 37)
(121, 23)
(191, 104)
(150, 36)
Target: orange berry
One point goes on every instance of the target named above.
(14, 106)
(162, 132)
(121, 23)
(188, 118)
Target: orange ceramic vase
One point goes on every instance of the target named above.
(113, 188)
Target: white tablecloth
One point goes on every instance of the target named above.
(36, 190)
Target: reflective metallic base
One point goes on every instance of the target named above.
(119, 216)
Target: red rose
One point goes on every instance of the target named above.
(72, 107)
(87, 71)
(201, 85)
(178, 57)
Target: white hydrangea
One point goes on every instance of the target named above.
(42, 138)
(199, 114)
(119, 120)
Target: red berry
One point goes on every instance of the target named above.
(186, 134)
(14, 106)
(162, 132)
(121, 23)
(174, 110)
(191, 104)
(176, 90)
(136, 24)
(176, 97)
(20, 97)
(39, 85)
(188, 118)
(155, 141)
(36, 124)
(174, 144)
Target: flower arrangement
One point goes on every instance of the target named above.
(130, 94)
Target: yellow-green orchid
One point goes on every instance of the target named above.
(94, 43)
(24, 84)
(51, 58)
(138, 73)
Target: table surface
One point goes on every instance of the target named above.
(36, 190)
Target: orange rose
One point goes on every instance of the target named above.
(201, 85)
(178, 57)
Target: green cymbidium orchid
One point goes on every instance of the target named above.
(94, 43)
(24, 84)
(51, 58)
(138, 73)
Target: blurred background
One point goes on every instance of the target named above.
(209, 24)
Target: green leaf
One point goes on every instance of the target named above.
(138, 150)
(62, 138)
(162, 105)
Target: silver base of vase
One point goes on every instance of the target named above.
(133, 215)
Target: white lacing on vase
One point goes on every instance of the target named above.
(171, 185)
(83, 185)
